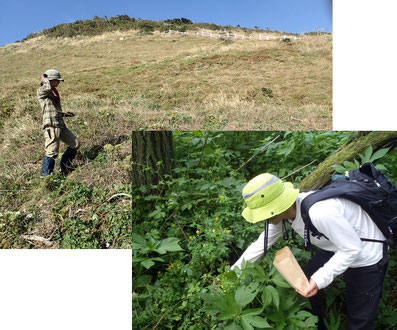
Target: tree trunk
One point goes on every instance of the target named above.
(152, 157)
(348, 152)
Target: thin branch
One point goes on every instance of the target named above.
(180, 227)
(259, 151)
(40, 239)
(171, 309)
(298, 169)
(120, 194)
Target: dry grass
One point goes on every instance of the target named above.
(169, 81)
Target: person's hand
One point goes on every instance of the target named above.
(310, 291)
(69, 114)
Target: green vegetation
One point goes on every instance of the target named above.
(99, 25)
(189, 233)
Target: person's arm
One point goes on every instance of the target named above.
(255, 250)
(328, 218)
(45, 89)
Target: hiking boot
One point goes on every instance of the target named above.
(48, 166)
(65, 165)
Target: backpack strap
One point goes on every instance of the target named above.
(305, 206)
(266, 237)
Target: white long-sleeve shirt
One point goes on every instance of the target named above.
(344, 223)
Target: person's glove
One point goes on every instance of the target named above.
(69, 114)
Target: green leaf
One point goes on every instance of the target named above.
(142, 281)
(255, 273)
(266, 298)
(381, 167)
(136, 246)
(367, 154)
(303, 314)
(339, 168)
(349, 165)
(215, 301)
(246, 325)
(297, 323)
(138, 259)
(147, 263)
(287, 302)
(245, 294)
(285, 148)
(280, 281)
(254, 311)
(168, 245)
(256, 321)
(379, 154)
(232, 326)
(225, 315)
(157, 259)
(136, 238)
(274, 294)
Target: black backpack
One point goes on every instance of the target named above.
(367, 187)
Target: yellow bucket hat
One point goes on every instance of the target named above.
(266, 196)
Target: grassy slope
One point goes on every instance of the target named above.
(173, 82)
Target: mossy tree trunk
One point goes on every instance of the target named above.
(152, 157)
(348, 152)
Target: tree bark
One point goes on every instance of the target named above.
(152, 157)
(348, 152)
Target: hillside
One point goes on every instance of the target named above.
(156, 80)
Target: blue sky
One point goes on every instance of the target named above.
(19, 18)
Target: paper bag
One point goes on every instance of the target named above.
(289, 268)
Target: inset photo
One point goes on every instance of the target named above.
(235, 230)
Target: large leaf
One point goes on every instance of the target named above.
(379, 154)
(367, 155)
(280, 281)
(138, 239)
(232, 326)
(349, 165)
(136, 246)
(256, 321)
(225, 316)
(142, 281)
(246, 325)
(168, 245)
(245, 294)
(285, 148)
(257, 276)
(266, 298)
(381, 167)
(339, 168)
(224, 304)
(148, 263)
(274, 294)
